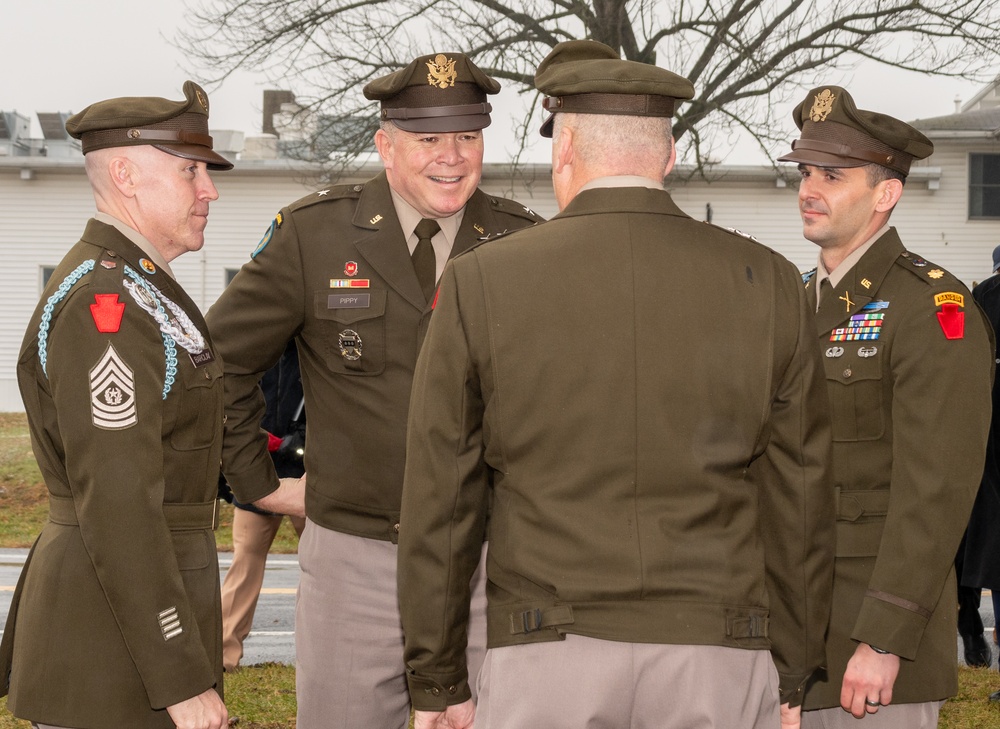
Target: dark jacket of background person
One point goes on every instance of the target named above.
(982, 541)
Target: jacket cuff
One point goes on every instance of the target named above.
(891, 627)
(430, 694)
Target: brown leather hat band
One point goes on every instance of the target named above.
(173, 135)
(622, 104)
(843, 150)
(426, 112)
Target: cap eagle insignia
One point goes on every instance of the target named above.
(441, 72)
(822, 105)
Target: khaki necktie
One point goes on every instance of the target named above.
(424, 261)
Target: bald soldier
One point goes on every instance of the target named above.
(661, 538)
(115, 621)
(908, 361)
(349, 272)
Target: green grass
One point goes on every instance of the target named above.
(263, 697)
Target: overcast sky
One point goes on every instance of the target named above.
(62, 56)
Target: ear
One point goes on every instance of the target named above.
(891, 191)
(673, 157)
(122, 174)
(563, 153)
(383, 143)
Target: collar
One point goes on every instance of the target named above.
(849, 262)
(409, 217)
(621, 181)
(139, 239)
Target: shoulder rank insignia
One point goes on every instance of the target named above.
(952, 320)
(935, 273)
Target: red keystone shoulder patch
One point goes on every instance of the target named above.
(107, 313)
(952, 321)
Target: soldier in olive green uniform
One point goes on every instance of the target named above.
(661, 537)
(335, 272)
(908, 369)
(116, 619)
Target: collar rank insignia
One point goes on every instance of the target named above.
(952, 320)
(441, 72)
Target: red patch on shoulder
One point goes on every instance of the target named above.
(952, 321)
(107, 313)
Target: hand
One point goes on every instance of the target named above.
(459, 716)
(791, 716)
(204, 711)
(869, 676)
(289, 498)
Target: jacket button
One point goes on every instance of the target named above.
(453, 690)
(436, 691)
(395, 528)
(847, 372)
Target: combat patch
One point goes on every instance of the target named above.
(107, 313)
(112, 393)
(267, 237)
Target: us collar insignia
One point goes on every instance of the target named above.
(822, 105)
(866, 283)
(375, 219)
(479, 229)
(146, 265)
(441, 72)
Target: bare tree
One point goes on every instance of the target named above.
(743, 56)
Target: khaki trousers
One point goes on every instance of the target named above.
(587, 682)
(893, 716)
(349, 671)
(252, 537)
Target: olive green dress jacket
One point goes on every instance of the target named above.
(640, 393)
(117, 613)
(334, 273)
(909, 361)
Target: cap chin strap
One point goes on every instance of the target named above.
(630, 104)
(174, 135)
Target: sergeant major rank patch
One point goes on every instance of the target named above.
(112, 393)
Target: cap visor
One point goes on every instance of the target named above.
(444, 124)
(821, 159)
(199, 153)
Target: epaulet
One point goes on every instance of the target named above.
(735, 231)
(334, 192)
(808, 276)
(513, 207)
(923, 269)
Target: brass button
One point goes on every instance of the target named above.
(453, 690)
(395, 527)
(847, 372)
(436, 691)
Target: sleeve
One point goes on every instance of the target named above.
(940, 421)
(260, 311)
(445, 498)
(797, 503)
(114, 462)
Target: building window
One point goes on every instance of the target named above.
(46, 273)
(230, 274)
(984, 186)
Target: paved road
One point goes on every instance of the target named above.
(272, 636)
